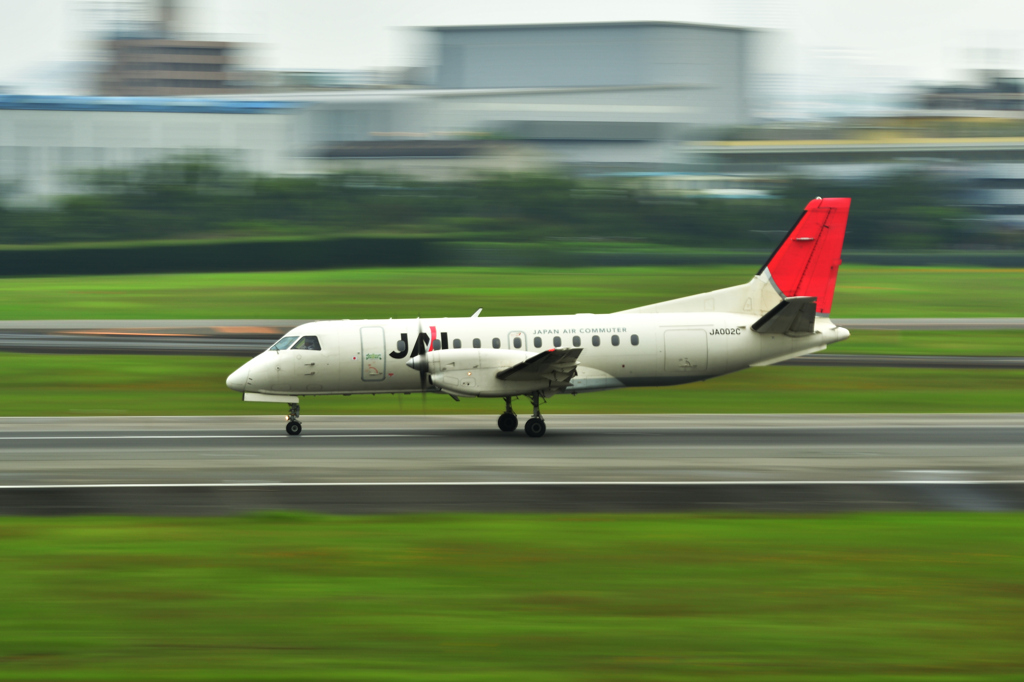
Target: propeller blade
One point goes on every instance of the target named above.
(423, 365)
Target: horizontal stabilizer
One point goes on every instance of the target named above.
(550, 363)
(794, 316)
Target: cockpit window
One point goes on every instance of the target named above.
(283, 343)
(307, 343)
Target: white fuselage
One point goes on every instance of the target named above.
(781, 313)
(618, 350)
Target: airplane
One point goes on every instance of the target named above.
(782, 313)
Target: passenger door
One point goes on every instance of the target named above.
(373, 353)
(517, 341)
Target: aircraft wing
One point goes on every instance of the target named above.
(557, 364)
(794, 316)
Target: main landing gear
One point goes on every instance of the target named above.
(508, 421)
(294, 426)
(535, 427)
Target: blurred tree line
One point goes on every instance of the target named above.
(199, 200)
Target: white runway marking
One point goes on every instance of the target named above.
(194, 436)
(938, 472)
(495, 484)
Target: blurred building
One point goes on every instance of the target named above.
(995, 92)
(47, 143)
(992, 182)
(997, 189)
(611, 97)
(982, 151)
(316, 80)
(155, 58)
(594, 96)
(161, 66)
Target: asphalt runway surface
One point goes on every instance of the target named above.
(247, 338)
(907, 361)
(932, 323)
(378, 464)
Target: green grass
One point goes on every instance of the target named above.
(863, 291)
(915, 342)
(84, 385)
(540, 597)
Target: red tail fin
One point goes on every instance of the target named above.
(807, 261)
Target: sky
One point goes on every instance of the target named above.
(904, 40)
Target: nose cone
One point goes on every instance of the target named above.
(418, 363)
(237, 380)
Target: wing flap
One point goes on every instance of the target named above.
(793, 316)
(558, 364)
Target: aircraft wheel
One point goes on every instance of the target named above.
(293, 428)
(508, 422)
(535, 428)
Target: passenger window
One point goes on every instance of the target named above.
(517, 342)
(596, 341)
(576, 341)
(307, 343)
(456, 343)
(496, 342)
(615, 339)
(402, 346)
(558, 342)
(635, 340)
(283, 343)
(537, 342)
(476, 343)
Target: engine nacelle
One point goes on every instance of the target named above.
(437, 361)
(472, 372)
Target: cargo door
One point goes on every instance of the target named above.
(686, 351)
(373, 355)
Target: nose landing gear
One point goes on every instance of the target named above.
(508, 421)
(294, 426)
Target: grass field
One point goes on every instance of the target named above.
(540, 597)
(84, 385)
(863, 291)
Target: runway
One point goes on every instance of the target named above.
(932, 323)
(802, 463)
(907, 361)
(247, 338)
(137, 343)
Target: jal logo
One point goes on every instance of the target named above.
(425, 342)
(734, 331)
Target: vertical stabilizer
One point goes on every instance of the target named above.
(807, 261)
